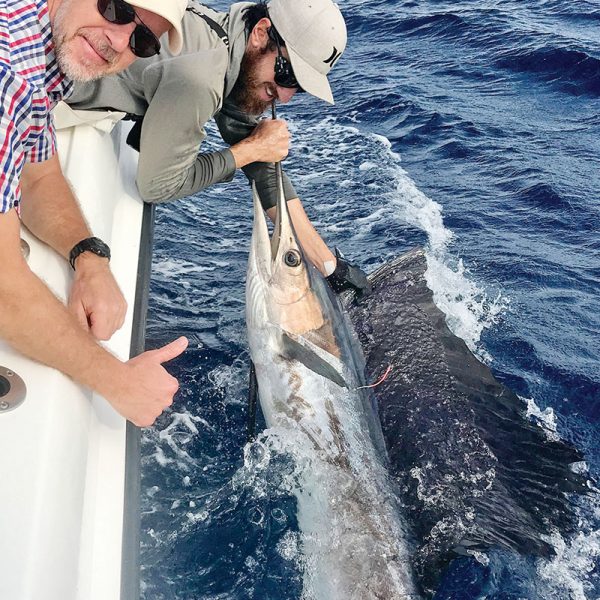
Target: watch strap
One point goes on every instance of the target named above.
(91, 244)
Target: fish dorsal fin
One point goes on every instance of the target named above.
(313, 357)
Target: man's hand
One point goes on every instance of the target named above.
(269, 142)
(95, 297)
(348, 276)
(144, 388)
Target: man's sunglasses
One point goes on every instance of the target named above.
(284, 74)
(143, 42)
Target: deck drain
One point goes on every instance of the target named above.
(12, 390)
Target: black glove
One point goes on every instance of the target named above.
(348, 277)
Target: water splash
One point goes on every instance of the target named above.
(573, 572)
(389, 192)
(545, 418)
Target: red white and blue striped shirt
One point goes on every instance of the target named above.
(30, 85)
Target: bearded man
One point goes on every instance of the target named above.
(44, 44)
(232, 67)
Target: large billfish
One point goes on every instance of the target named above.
(309, 369)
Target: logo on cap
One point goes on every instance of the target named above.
(334, 56)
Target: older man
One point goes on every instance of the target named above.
(43, 45)
(233, 66)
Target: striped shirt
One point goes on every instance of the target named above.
(30, 85)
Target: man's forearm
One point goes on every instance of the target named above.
(49, 208)
(158, 180)
(37, 324)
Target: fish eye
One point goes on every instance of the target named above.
(292, 258)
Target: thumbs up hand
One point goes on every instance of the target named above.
(144, 388)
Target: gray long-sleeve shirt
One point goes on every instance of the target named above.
(178, 95)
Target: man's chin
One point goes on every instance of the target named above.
(78, 72)
(76, 67)
(255, 107)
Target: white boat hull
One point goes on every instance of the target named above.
(63, 451)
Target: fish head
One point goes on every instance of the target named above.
(290, 309)
(283, 273)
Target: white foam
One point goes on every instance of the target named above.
(172, 267)
(568, 574)
(367, 165)
(467, 307)
(546, 418)
(288, 546)
(231, 381)
(170, 443)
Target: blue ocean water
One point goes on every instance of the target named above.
(471, 128)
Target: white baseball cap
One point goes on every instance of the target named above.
(315, 36)
(172, 11)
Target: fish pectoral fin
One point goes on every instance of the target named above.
(314, 358)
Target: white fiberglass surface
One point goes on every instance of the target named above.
(62, 452)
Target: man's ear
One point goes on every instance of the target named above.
(259, 36)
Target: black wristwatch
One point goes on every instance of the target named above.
(92, 244)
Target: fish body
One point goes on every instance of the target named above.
(310, 374)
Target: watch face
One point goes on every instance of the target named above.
(99, 247)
